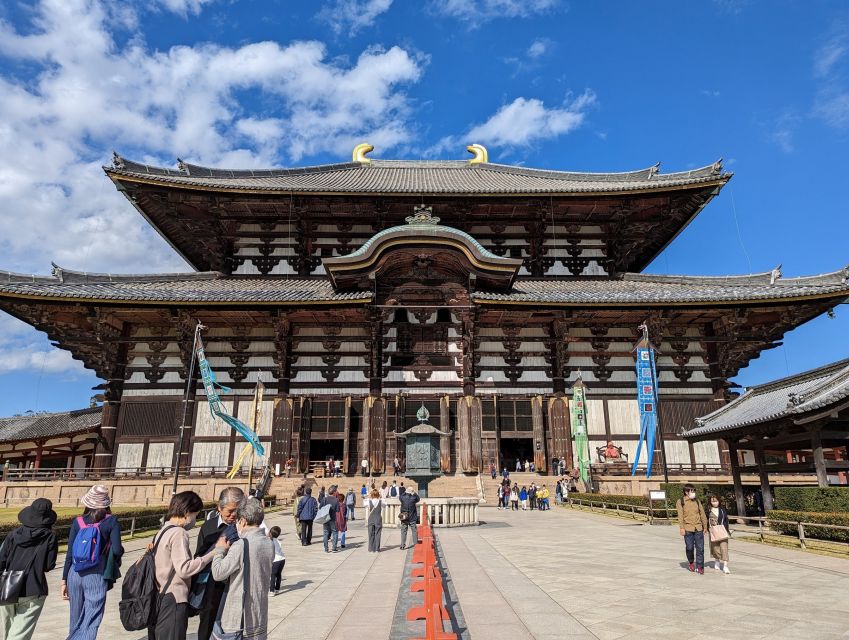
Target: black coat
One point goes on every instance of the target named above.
(723, 518)
(408, 504)
(209, 533)
(28, 544)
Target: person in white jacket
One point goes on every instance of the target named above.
(279, 561)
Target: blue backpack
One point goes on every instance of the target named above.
(88, 545)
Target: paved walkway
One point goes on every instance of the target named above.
(562, 574)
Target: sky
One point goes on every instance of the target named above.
(582, 86)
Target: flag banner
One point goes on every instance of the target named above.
(216, 408)
(647, 400)
(579, 428)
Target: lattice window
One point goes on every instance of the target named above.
(328, 416)
(489, 417)
(516, 415)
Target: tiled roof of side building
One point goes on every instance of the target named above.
(415, 177)
(789, 397)
(215, 288)
(40, 426)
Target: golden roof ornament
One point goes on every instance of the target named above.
(480, 153)
(360, 151)
(422, 216)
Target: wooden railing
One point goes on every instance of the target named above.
(117, 473)
(651, 514)
(624, 469)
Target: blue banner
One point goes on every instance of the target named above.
(216, 408)
(647, 400)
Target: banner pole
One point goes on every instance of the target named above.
(189, 384)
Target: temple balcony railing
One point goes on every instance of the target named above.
(687, 468)
(442, 512)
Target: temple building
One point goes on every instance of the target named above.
(358, 291)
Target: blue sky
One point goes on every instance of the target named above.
(580, 86)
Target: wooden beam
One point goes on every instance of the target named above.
(819, 458)
(735, 475)
(766, 490)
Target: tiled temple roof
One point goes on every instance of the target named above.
(415, 177)
(41, 426)
(789, 397)
(215, 288)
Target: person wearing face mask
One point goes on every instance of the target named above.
(175, 567)
(692, 524)
(719, 532)
(221, 522)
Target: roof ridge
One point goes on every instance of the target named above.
(803, 376)
(62, 275)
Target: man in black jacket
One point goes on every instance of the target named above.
(33, 548)
(331, 531)
(221, 523)
(409, 499)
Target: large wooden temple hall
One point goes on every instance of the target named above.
(358, 291)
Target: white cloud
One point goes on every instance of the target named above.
(830, 54)
(21, 349)
(832, 107)
(539, 48)
(353, 15)
(184, 7)
(73, 93)
(525, 121)
(782, 130)
(476, 12)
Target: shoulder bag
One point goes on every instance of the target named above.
(217, 632)
(12, 582)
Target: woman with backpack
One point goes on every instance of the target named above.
(93, 537)
(31, 548)
(175, 567)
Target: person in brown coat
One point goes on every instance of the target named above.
(692, 524)
(342, 519)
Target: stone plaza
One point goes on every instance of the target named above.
(554, 574)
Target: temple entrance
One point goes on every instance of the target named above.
(512, 448)
(323, 449)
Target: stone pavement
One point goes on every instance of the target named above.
(542, 575)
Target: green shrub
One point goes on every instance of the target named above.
(675, 491)
(791, 529)
(812, 499)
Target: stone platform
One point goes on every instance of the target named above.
(555, 574)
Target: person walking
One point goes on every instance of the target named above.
(307, 509)
(374, 520)
(719, 531)
(337, 467)
(321, 494)
(492, 470)
(523, 497)
(396, 467)
(692, 524)
(558, 492)
(279, 561)
(500, 497)
(393, 491)
(532, 496)
(505, 475)
(220, 522)
(409, 516)
(514, 498)
(350, 503)
(341, 519)
(331, 532)
(246, 567)
(175, 567)
(31, 548)
(518, 465)
(86, 587)
(364, 465)
(299, 495)
(364, 494)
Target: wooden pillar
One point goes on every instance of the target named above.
(558, 420)
(540, 456)
(445, 441)
(375, 353)
(105, 449)
(766, 490)
(346, 445)
(734, 461)
(302, 458)
(464, 427)
(377, 435)
(469, 346)
(39, 449)
(819, 458)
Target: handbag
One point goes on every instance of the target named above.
(323, 515)
(718, 533)
(12, 582)
(217, 632)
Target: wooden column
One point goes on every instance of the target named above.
(540, 456)
(734, 461)
(819, 458)
(346, 445)
(375, 353)
(302, 459)
(766, 490)
(39, 450)
(377, 435)
(105, 450)
(464, 427)
(445, 441)
(558, 420)
(469, 345)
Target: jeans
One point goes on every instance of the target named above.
(342, 538)
(412, 527)
(695, 539)
(330, 531)
(17, 621)
(88, 601)
(350, 512)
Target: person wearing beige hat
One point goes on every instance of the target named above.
(84, 585)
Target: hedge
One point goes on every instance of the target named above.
(675, 491)
(612, 498)
(812, 499)
(837, 535)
